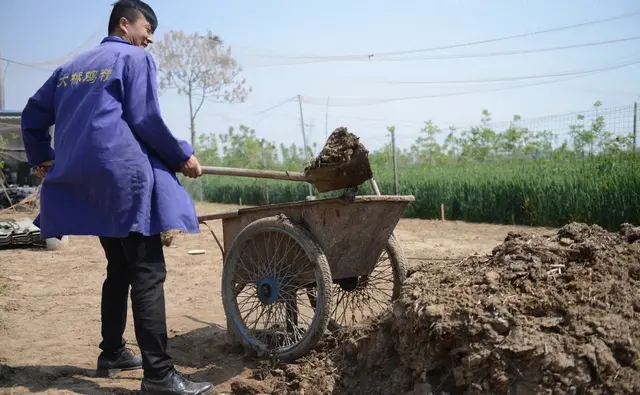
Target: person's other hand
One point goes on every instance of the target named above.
(191, 168)
(41, 171)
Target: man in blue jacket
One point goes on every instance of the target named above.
(111, 174)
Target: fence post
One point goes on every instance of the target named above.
(264, 166)
(392, 130)
(635, 126)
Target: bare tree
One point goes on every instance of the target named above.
(201, 68)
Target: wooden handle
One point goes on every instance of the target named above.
(270, 174)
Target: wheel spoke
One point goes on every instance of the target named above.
(265, 270)
(357, 299)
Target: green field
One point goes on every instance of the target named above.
(603, 190)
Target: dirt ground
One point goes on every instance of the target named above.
(50, 305)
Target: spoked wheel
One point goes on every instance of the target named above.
(359, 298)
(269, 269)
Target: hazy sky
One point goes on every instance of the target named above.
(266, 36)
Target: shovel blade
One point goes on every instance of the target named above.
(343, 175)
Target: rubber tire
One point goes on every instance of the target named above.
(323, 283)
(398, 268)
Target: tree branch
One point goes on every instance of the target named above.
(201, 102)
(201, 63)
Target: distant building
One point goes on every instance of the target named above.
(16, 169)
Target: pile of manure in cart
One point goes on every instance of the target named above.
(543, 314)
(340, 147)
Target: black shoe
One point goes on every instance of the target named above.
(174, 383)
(110, 365)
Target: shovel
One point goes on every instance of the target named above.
(342, 175)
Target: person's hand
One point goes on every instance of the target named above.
(191, 168)
(43, 168)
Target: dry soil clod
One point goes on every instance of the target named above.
(339, 148)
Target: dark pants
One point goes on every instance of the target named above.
(136, 261)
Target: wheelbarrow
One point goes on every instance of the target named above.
(293, 271)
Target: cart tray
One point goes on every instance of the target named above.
(352, 234)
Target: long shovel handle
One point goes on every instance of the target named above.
(253, 173)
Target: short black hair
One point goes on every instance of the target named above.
(129, 9)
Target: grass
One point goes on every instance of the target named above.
(603, 190)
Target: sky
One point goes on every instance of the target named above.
(364, 94)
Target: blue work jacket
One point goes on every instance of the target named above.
(115, 158)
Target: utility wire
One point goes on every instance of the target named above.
(515, 52)
(291, 99)
(465, 56)
(269, 111)
(66, 56)
(26, 64)
(365, 102)
(459, 45)
(485, 80)
(75, 51)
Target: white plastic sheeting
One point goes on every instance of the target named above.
(20, 233)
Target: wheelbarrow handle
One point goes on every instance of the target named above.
(253, 173)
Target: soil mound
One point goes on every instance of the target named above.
(339, 148)
(555, 314)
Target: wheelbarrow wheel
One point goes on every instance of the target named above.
(357, 299)
(269, 269)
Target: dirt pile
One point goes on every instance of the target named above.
(555, 314)
(340, 147)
